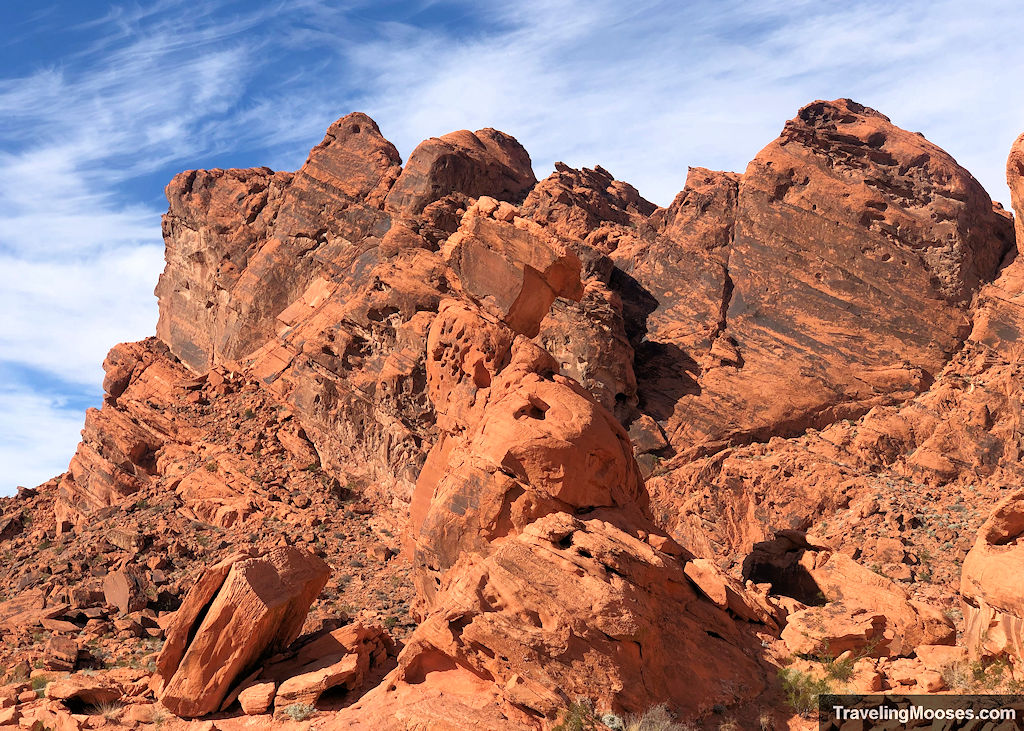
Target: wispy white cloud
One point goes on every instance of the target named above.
(61, 316)
(644, 88)
(33, 427)
(647, 89)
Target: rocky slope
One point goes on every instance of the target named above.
(528, 451)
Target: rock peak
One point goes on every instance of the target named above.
(485, 162)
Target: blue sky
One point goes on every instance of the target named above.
(100, 104)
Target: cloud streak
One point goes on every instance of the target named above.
(88, 137)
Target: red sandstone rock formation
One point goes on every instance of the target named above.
(992, 586)
(991, 580)
(831, 277)
(240, 611)
(555, 396)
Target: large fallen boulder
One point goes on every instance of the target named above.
(126, 589)
(240, 611)
(907, 622)
(833, 629)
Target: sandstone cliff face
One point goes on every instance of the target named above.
(895, 470)
(831, 277)
(242, 244)
(611, 440)
(311, 283)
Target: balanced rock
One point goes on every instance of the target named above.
(322, 282)
(239, 611)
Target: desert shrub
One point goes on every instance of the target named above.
(299, 711)
(613, 722)
(110, 711)
(802, 689)
(980, 676)
(578, 716)
(840, 669)
(39, 684)
(656, 718)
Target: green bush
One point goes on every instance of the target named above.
(802, 690)
(578, 716)
(39, 684)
